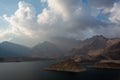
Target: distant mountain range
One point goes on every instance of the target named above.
(95, 48)
(8, 49)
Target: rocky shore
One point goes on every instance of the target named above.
(67, 65)
(108, 64)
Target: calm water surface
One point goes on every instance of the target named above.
(34, 71)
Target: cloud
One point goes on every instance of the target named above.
(103, 3)
(5, 35)
(106, 5)
(64, 18)
(23, 20)
(59, 9)
(115, 13)
(59, 18)
(68, 17)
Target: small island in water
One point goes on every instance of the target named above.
(68, 65)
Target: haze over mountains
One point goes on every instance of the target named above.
(65, 44)
(95, 48)
(46, 50)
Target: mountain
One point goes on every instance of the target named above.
(112, 51)
(46, 50)
(8, 49)
(100, 51)
(89, 45)
(97, 48)
(65, 44)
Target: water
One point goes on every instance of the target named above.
(35, 71)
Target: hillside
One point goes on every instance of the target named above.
(46, 50)
(97, 48)
(8, 49)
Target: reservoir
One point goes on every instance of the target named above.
(35, 71)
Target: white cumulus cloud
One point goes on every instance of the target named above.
(23, 20)
(115, 13)
(61, 18)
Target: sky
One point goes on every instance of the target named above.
(29, 22)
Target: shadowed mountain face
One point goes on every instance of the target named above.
(8, 49)
(46, 50)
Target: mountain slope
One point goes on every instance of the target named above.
(46, 50)
(97, 48)
(89, 45)
(8, 49)
(112, 52)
